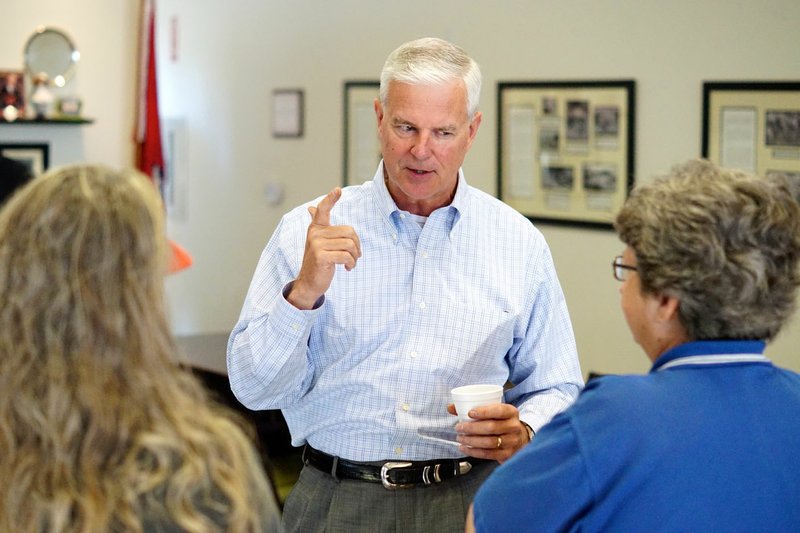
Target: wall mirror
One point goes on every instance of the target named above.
(50, 52)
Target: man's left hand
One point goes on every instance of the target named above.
(496, 433)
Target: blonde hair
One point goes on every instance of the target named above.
(99, 429)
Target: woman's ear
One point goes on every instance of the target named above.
(668, 307)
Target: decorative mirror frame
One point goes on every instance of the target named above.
(58, 79)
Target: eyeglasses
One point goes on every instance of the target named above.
(620, 269)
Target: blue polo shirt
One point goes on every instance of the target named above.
(707, 441)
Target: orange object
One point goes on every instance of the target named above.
(179, 259)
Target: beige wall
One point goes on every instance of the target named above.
(229, 56)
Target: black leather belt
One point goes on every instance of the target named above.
(392, 474)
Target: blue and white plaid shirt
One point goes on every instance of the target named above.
(470, 297)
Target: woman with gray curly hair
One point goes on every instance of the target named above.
(707, 440)
(723, 244)
(99, 428)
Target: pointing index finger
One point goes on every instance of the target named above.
(321, 215)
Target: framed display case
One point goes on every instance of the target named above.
(753, 126)
(566, 149)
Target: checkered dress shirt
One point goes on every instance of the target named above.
(470, 297)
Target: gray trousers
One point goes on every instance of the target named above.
(319, 503)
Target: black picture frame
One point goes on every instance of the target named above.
(566, 149)
(35, 156)
(753, 126)
(361, 149)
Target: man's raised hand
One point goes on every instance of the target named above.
(326, 247)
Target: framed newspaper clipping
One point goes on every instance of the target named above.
(753, 126)
(566, 149)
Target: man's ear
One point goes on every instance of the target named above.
(378, 111)
(474, 124)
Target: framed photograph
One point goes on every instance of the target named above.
(33, 156)
(287, 113)
(566, 149)
(362, 150)
(753, 126)
(12, 91)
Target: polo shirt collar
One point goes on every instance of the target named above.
(712, 352)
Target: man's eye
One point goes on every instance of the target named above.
(405, 128)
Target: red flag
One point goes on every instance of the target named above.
(149, 155)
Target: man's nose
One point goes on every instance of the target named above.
(421, 148)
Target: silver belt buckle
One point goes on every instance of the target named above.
(391, 465)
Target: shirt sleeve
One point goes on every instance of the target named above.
(544, 487)
(544, 364)
(267, 355)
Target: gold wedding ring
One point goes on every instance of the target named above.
(499, 442)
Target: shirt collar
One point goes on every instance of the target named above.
(712, 352)
(387, 205)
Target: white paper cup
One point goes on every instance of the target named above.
(468, 397)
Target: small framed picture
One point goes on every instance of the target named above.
(287, 113)
(33, 156)
(69, 106)
(12, 91)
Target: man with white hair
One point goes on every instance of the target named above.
(370, 304)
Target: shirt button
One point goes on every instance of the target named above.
(422, 305)
(424, 255)
(405, 407)
(394, 236)
(398, 450)
(295, 326)
(402, 215)
(413, 353)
